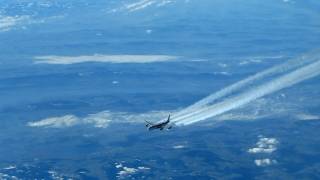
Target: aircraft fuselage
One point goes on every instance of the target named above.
(160, 126)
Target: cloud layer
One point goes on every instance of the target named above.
(99, 120)
(103, 59)
(56, 122)
(307, 117)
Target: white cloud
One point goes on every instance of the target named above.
(119, 166)
(237, 116)
(264, 162)
(164, 2)
(115, 82)
(55, 175)
(6, 176)
(126, 172)
(99, 120)
(103, 58)
(260, 109)
(307, 117)
(8, 22)
(223, 73)
(56, 122)
(10, 167)
(199, 60)
(264, 145)
(266, 57)
(149, 31)
(143, 168)
(258, 59)
(179, 147)
(142, 4)
(223, 65)
(251, 61)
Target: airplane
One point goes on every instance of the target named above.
(160, 125)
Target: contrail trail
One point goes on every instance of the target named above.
(284, 81)
(285, 67)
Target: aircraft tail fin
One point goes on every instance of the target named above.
(168, 118)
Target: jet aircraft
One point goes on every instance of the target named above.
(160, 126)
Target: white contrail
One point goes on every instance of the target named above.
(287, 80)
(285, 67)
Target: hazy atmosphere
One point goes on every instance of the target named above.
(80, 80)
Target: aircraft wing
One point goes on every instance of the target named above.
(149, 122)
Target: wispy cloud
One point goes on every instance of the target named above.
(179, 147)
(103, 59)
(99, 120)
(164, 2)
(56, 122)
(251, 61)
(10, 167)
(142, 4)
(306, 117)
(9, 22)
(139, 5)
(262, 108)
